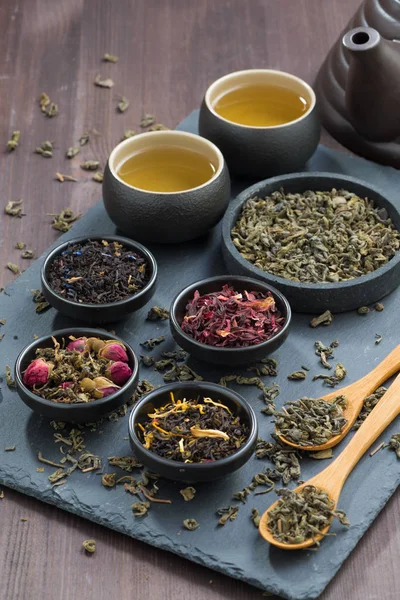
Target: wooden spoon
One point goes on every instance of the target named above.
(355, 394)
(331, 479)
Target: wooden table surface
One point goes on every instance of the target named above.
(169, 52)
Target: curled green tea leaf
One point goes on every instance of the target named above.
(89, 546)
(190, 524)
(14, 208)
(140, 508)
(104, 83)
(13, 142)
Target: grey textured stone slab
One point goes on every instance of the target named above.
(236, 549)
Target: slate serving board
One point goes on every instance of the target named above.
(236, 549)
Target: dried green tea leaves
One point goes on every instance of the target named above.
(63, 221)
(140, 508)
(297, 375)
(311, 421)
(126, 463)
(123, 104)
(40, 301)
(363, 310)
(190, 524)
(284, 458)
(110, 58)
(45, 149)
(379, 307)
(20, 245)
(128, 133)
(394, 444)
(325, 352)
(188, 493)
(28, 254)
(159, 127)
(14, 141)
(340, 373)
(99, 176)
(84, 139)
(13, 268)
(378, 339)
(147, 120)
(89, 546)
(10, 448)
(227, 513)
(368, 406)
(104, 83)
(299, 516)
(72, 151)
(151, 343)
(14, 208)
(90, 165)
(314, 237)
(108, 479)
(157, 312)
(50, 109)
(61, 177)
(325, 319)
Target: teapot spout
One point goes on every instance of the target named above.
(372, 92)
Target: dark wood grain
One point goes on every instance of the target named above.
(170, 50)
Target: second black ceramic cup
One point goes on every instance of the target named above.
(260, 152)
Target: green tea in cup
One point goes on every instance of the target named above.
(261, 105)
(167, 169)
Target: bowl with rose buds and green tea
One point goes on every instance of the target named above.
(76, 374)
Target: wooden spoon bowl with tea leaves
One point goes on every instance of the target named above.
(332, 479)
(354, 394)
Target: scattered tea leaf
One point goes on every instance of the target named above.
(44, 101)
(140, 508)
(9, 448)
(147, 120)
(42, 459)
(284, 458)
(99, 176)
(104, 83)
(255, 517)
(297, 375)
(190, 524)
(14, 268)
(14, 208)
(157, 312)
(363, 310)
(28, 254)
(84, 139)
(72, 151)
(228, 513)
(108, 479)
(394, 444)
(123, 104)
(147, 361)
(379, 306)
(39, 469)
(325, 319)
(89, 546)
(188, 493)
(179, 355)
(159, 127)
(126, 463)
(1, 494)
(13, 142)
(63, 221)
(61, 177)
(90, 165)
(20, 245)
(378, 338)
(52, 111)
(24, 519)
(110, 58)
(151, 343)
(144, 387)
(128, 133)
(3, 321)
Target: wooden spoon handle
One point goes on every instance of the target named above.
(384, 412)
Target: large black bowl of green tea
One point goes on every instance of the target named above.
(303, 515)
(193, 431)
(100, 279)
(327, 241)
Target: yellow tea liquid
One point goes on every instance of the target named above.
(166, 169)
(261, 105)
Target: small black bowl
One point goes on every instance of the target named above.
(98, 314)
(78, 413)
(227, 356)
(190, 472)
(315, 297)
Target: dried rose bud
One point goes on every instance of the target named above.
(119, 372)
(66, 384)
(95, 344)
(104, 387)
(37, 373)
(79, 344)
(87, 385)
(114, 351)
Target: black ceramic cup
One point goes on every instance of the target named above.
(315, 297)
(98, 314)
(190, 472)
(227, 356)
(260, 152)
(85, 412)
(165, 217)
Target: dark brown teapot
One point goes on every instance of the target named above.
(358, 85)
